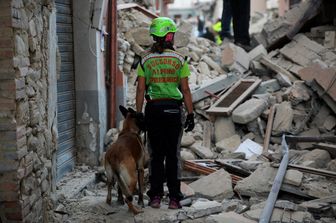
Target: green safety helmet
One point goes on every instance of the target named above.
(161, 26)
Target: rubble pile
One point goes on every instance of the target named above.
(245, 102)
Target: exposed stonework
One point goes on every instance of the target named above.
(27, 139)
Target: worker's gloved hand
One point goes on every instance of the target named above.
(141, 121)
(189, 123)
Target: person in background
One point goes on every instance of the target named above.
(163, 82)
(208, 35)
(240, 10)
(193, 21)
(226, 20)
(216, 30)
(200, 26)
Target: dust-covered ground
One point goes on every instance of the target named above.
(79, 200)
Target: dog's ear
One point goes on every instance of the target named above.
(123, 110)
(131, 110)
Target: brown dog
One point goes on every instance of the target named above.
(125, 160)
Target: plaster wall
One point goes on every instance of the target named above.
(89, 50)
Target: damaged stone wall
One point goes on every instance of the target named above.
(28, 109)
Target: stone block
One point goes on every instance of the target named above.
(141, 36)
(217, 185)
(293, 177)
(259, 183)
(229, 217)
(268, 86)
(235, 58)
(329, 123)
(203, 208)
(332, 165)
(203, 68)
(258, 69)
(224, 128)
(319, 118)
(330, 39)
(319, 31)
(283, 80)
(214, 65)
(317, 159)
(187, 140)
(257, 52)
(228, 144)
(249, 110)
(283, 118)
(297, 93)
(201, 151)
(310, 132)
(280, 215)
(181, 39)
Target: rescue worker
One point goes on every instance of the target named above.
(216, 30)
(163, 81)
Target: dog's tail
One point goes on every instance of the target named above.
(123, 184)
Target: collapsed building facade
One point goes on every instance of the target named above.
(65, 65)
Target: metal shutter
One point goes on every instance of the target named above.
(66, 153)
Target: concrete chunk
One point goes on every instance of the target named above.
(283, 216)
(317, 158)
(224, 128)
(283, 118)
(288, 25)
(257, 52)
(293, 177)
(141, 36)
(268, 86)
(228, 144)
(203, 152)
(214, 65)
(203, 208)
(330, 39)
(235, 58)
(259, 183)
(217, 185)
(229, 217)
(249, 110)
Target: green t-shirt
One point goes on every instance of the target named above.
(163, 73)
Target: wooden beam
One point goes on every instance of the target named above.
(218, 85)
(268, 130)
(200, 166)
(310, 170)
(234, 96)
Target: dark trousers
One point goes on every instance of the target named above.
(241, 20)
(226, 19)
(164, 129)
